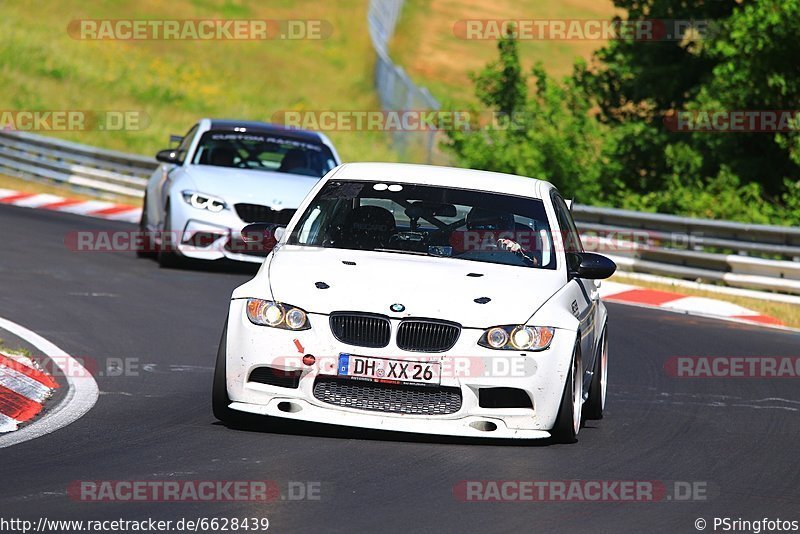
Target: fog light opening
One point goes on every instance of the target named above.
(201, 239)
(483, 426)
(289, 407)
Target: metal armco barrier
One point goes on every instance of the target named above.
(46, 159)
(396, 91)
(735, 254)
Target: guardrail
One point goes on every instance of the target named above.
(81, 166)
(396, 90)
(735, 254)
(739, 255)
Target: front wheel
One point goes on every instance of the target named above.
(596, 403)
(568, 422)
(147, 247)
(167, 257)
(219, 394)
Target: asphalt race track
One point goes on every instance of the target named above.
(738, 437)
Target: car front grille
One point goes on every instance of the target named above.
(421, 335)
(253, 213)
(388, 398)
(361, 330)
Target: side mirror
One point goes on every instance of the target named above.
(589, 265)
(169, 155)
(262, 236)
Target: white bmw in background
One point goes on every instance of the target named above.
(421, 299)
(223, 175)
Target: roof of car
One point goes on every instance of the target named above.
(445, 176)
(265, 127)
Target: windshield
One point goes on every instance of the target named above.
(428, 220)
(264, 152)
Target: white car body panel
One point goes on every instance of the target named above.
(412, 280)
(428, 287)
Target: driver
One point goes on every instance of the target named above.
(223, 156)
(492, 230)
(294, 159)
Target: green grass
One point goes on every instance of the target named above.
(11, 351)
(426, 46)
(176, 82)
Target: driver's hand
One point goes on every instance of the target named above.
(509, 245)
(513, 246)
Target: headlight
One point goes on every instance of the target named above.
(517, 337)
(276, 314)
(497, 338)
(202, 201)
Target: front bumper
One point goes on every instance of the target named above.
(217, 238)
(467, 366)
(466, 426)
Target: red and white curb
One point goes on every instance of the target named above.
(81, 395)
(90, 208)
(629, 294)
(23, 390)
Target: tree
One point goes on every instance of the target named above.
(551, 135)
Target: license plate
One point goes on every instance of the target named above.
(385, 370)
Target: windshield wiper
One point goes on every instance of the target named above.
(399, 251)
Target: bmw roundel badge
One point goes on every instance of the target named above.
(397, 307)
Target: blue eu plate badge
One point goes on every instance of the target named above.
(344, 363)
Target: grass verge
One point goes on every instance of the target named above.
(176, 82)
(11, 351)
(427, 47)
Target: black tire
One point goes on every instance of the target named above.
(167, 257)
(596, 403)
(219, 394)
(566, 430)
(148, 249)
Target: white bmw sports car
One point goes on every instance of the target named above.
(223, 175)
(421, 299)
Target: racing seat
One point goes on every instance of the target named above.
(366, 228)
(222, 157)
(492, 220)
(294, 159)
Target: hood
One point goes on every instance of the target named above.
(278, 190)
(436, 288)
